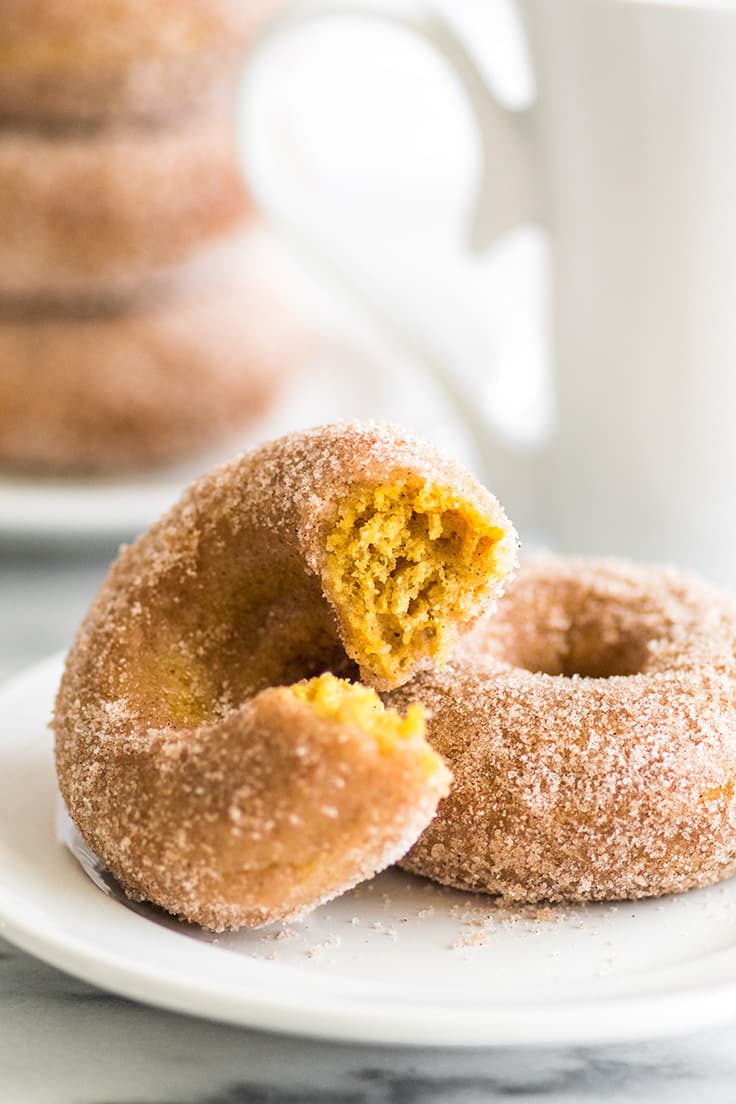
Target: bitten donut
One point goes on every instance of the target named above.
(145, 384)
(136, 58)
(98, 214)
(591, 729)
(202, 772)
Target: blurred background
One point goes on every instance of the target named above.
(156, 314)
(223, 221)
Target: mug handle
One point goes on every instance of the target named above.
(507, 197)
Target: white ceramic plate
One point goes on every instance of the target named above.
(399, 960)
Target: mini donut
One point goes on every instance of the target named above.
(115, 58)
(100, 213)
(591, 730)
(146, 384)
(202, 776)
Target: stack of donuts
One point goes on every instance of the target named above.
(134, 328)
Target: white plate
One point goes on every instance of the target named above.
(397, 961)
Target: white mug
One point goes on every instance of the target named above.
(628, 158)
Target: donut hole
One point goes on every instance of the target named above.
(593, 655)
(588, 656)
(406, 563)
(575, 632)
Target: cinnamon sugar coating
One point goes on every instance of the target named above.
(118, 58)
(106, 212)
(146, 383)
(174, 754)
(591, 730)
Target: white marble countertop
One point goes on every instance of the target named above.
(64, 1042)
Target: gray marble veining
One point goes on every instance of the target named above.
(62, 1041)
(65, 1042)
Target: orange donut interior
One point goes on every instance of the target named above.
(351, 703)
(405, 563)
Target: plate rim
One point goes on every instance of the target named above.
(343, 1018)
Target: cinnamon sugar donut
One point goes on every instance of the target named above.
(101, 213)
(204, 789)
(591, 729)
(144, 384)
(95, 58)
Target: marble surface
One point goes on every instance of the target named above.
(64, 1042)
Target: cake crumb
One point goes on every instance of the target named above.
(328, 944)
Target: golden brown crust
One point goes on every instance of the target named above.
(102, 213)
(574, 786)
(118, 58)
(143, 385)
(221, 600)
(260, 817)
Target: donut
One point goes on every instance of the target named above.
(591, 729)
(101, 213)
(147, 383)
(118, 58)
(196, 762)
